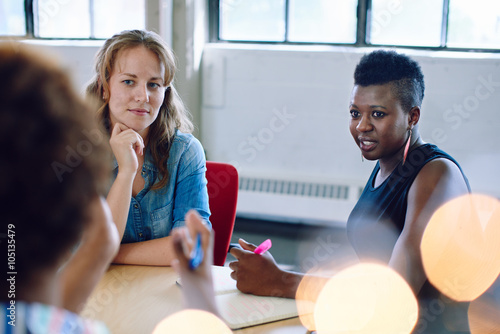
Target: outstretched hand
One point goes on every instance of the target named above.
(258, 274)
(197, 284)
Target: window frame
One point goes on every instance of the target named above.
(29, 6)
(362, 40)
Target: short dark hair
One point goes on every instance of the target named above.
(386, 66)
(52, 170)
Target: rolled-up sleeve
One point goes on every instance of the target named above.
(191, 184)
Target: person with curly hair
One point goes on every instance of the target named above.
(56, 223)
(57, 228)
(409, 182)
(159, 170)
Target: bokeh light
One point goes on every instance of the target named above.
(366, 298)
(192, 322)
(313, 282)
(306, 297)
(460, 246)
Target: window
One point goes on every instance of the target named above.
(112, 16)
(319, 21)
(12, 18)
(400, 23)
(62, 19)
(81, 19)
(474, 24)
(435, 24)
(255, 20)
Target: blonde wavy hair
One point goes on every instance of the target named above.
(172, 115)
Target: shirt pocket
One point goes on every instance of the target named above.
(161, 221)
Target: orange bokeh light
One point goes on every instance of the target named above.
(192, 321)
(460, 246)
(306, 296)
(366, 298)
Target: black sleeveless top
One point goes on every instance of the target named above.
(376, 222)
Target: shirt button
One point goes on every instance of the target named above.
(136, 206)
(143, 172)
(140, 235)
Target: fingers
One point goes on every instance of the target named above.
(195, 225)
(124, 135)
(139, 149)
(237, 252)
(184, 239)
(118, 128)
(177, 239)
(246, 245)
(246, 248)
(233, 265)
(194, 222)
(234, 274)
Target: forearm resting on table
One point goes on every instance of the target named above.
(281, 283)
(288, 284)
(156, 252)
(119, 200)
(86, 266)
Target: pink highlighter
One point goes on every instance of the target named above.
(263, 247)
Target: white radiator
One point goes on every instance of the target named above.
(294, 201)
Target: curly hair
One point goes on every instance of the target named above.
(172, 115)
(386, 66)
(54, 164)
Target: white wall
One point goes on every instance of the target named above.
(281, 112)
(77, 58)
(247, 88)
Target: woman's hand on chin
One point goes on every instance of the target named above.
(126, 145)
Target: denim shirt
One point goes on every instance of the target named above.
(154, 213)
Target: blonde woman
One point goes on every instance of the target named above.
(159, 171)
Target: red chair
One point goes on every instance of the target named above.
(222, 189)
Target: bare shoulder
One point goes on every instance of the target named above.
(440, 178)
(441, 171)
(438, 182)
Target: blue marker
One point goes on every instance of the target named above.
(196, 254)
